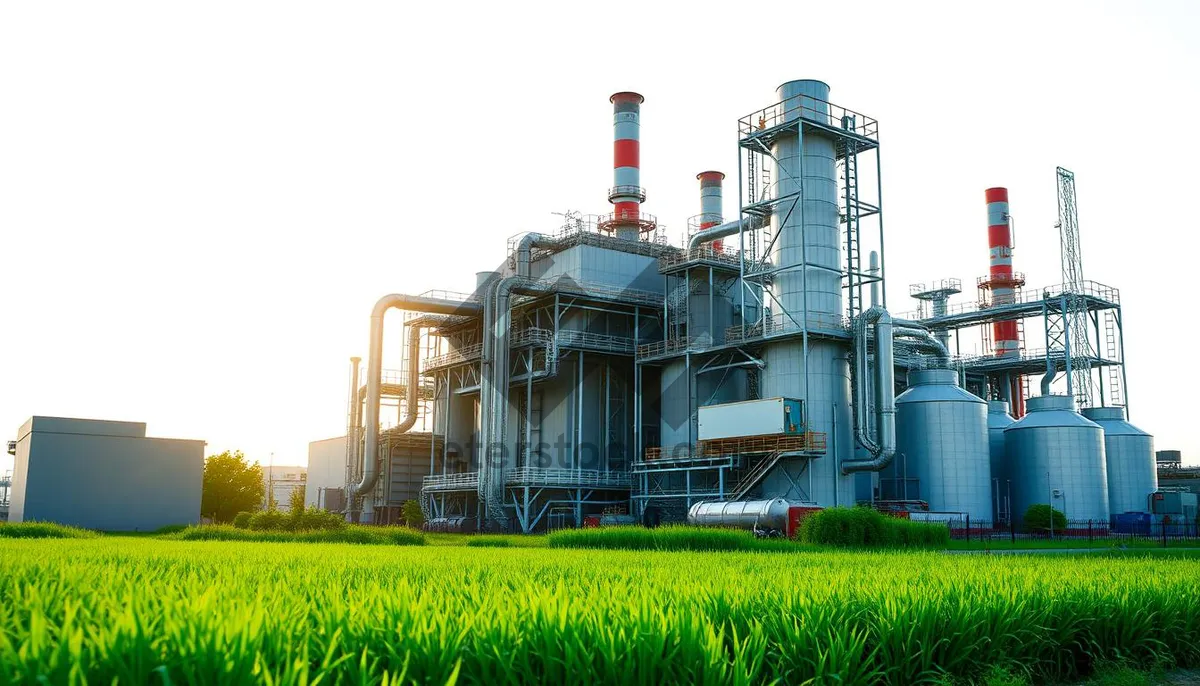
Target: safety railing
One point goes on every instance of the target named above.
(706, 252)
(811, 109)
(451, 482)
(939, 286)
(782, 324)
(663, 347)
(1093, 289)
(808, 442)
(627, 192)
(584, 339)
(568, 477)
(467, 353)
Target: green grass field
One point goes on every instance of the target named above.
(145, 610)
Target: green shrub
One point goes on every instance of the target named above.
(268, 520)
(413, 516)
(315, 519)
(864, 527)
(242, 520)
(170, 529)
(1037, 519)
(42, 530)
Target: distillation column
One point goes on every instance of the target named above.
(807, 252)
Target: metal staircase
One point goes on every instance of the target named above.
(755, 475)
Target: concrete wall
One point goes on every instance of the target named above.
(105, 475)
(326, 469)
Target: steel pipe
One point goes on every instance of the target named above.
(412, 303)
(723, 230)
(882, 446)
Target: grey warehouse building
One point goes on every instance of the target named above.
(104, 475)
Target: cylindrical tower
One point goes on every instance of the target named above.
(942, 444)
(711, 210)
(1000, 271)
(1129, 458)
(807, 253)
(627, 195)
(998, 420)
(1056, 456)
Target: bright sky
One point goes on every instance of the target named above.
(200, 202)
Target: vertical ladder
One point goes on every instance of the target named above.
(752, 191)
(1113, 352)
(850, 214)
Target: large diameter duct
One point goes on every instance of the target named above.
(711, 211)
(741, 514)
(724, 230)
(412, 303)
(807, 255)
(881, 446)
(627, 194)
(354, 424)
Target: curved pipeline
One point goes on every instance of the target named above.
(882, 446)
(722, 230)
(413, 303)
(927, 339)
(494, 383)
(525, 249)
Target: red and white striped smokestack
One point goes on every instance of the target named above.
(711, 211)
(1000, 271)
(627, 195)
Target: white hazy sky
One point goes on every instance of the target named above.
(200, 202)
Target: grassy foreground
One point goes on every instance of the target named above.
(144, 611)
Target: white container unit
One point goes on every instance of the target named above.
(767, 417)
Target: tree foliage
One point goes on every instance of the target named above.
(231, 485)
(1037, 519)
(413, 517)
(296, 501)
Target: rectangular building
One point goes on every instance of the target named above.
(104, 475)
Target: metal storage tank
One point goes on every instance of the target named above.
(1129, 458)
(812, 231)
(998, 419)
(1053, 447)
(767, 514)
(942, 442)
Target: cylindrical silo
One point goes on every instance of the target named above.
(1053, 449)
(807, 254)
(998, 419)
(1129, 454)
(942, 444)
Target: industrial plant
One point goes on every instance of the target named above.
(602, 374)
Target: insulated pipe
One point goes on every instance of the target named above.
(353, 432)
(929, 340)
(412, 303)
(711, 211)
(525, 248)
(883, 446)
(626, 195)
(494, 386)
(726, 229)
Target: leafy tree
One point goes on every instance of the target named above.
(412, 514)
(296, 501)
(1037, 519)
(231, 485)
